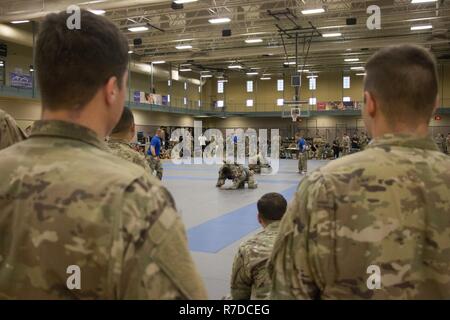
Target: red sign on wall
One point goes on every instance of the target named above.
(437, 118)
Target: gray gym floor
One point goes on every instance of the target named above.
(217, 221)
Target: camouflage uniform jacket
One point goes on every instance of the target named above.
(241, 176)
(249, 278)
(10, 133)
(65, 200)
(123, 149)
(387, 206)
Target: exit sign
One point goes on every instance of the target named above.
(437, 118)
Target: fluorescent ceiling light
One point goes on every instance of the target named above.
(20, 21)
(183, 46)
(304, 70)
(312, 77)
(351, 60)
(185, 70)
(423, 27)
(252, 73)
(184, 1)
(313, 11)
(158, 62)
(235, 66)
(254, 40)
(130, 52)
(222, 81)
(333, 34)
(265, 78)
(206, 76)
(357, 68)
(422, 1)
(98, 12)
(219, 20)
(360, 74)
(138, 29)
(289, 63)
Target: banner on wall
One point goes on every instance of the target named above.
(18, 80)
(153, 98)
(137, 96)
(165, 101)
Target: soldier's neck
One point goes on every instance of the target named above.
(420, 130)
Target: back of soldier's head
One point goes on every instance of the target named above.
(10, 133)
(73, 64)
(272, 206)
(126, 122)
(226, 171)
(403, 80)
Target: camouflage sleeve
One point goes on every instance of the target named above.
(241, 281)
(152, 259)
(302, 254)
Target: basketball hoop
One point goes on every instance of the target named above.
(295, 114)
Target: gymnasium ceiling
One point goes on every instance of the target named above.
(251, 19)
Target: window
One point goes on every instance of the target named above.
(219, 87)
(280, 85)
(346, 82)
(220, 104)
(185, 101)
(169, 83)
(312, 83)
(280, 102)
(250, 86)
(312, 101)
(249, 103)
(185, 86)
(168, 98)
(346, 99)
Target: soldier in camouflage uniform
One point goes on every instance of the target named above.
(259, 162)
(345, 144)
(10, 132)
(447, 141)
(238, 174)
(119, 141)
(386, 208)
(66, 202)
(249, 278)
(363, 141)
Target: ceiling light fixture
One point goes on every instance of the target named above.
(138, 29)
(265, 78)
(185, 70)
(357, 68)
(234, 66)
(252, 73)
(20, 21)
(130, 51)
(184, 1)
(330, 35)
(158, 62)
(361, 74)
(98, 12)
(313, 11)
(351, 60)
(206, 76)
(422, 27)
(288, 63)
(422, 1)
(256, 40)
(183, 47)
(219, 20)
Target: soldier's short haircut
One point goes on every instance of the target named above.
(73, 64)
(272, 206)
(404, 80)
(126, 121)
